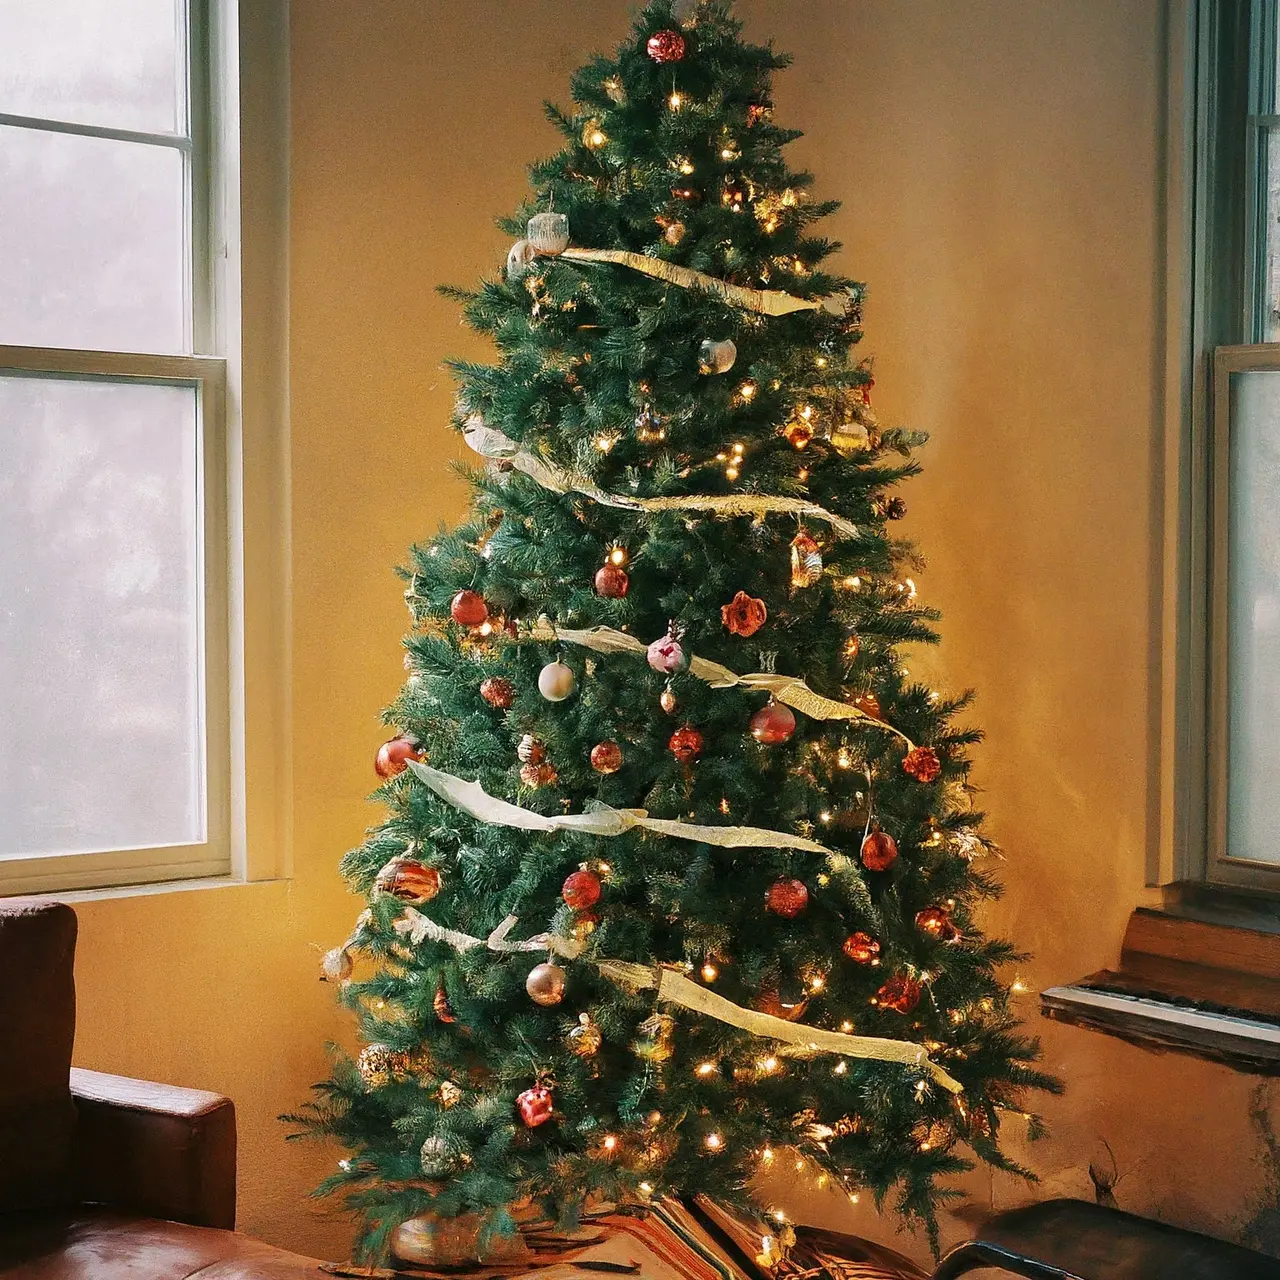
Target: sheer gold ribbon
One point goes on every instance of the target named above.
(789, 689)
(767, 302)
(489, 442)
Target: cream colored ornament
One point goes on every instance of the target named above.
(850, 437)
(548, 233)
(717, 357)
(336, 965)
(556, 682)
(519, 259)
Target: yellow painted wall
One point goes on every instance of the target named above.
(999, 160)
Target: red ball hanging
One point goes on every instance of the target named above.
(922, 763)
(393, 757)
(686, 744)
(900, 993)
(666, 46)
(468, 609)
(612, 581)
(581, 890)
(606, 757)
(786, 898)
(535, 1106)
(936, 922)
(861, 948)
(498, 692)
(879, 850)
(408, 879)
(773, 723)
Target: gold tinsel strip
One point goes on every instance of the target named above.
(769, 302)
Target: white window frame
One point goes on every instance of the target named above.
(238, 139)
(1213, 316)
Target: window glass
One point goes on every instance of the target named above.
(113, 63)
(94, 243)
(1253, 670)
(101, 736)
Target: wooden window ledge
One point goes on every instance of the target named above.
(1197, 977)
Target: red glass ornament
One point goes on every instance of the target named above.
(581, 890)
(900, 993)
(393, 757)
(786, 898)
(879, 850)
(936, 922)
(861, 948)
(535, 1106)
(468, 609)
(666, 46)
(612, 581)
(444, 1010)
(498, 692)
(868, 704)
(922, 763)
(606, 757)
(686, 744)
(773, 723)
(408, 879)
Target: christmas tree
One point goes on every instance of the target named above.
(679, 872)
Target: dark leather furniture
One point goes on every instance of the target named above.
(101, 1177)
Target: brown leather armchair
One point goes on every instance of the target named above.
(101, 1177)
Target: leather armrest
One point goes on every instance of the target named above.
(155, 1149)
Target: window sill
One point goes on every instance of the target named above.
(1200, 977)
(107, 893)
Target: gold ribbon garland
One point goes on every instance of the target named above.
(489, 442)
(769, 302)
(789, 689)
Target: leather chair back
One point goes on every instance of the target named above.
(37, 1029)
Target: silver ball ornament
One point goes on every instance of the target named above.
(439, 1157)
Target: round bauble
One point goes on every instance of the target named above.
(538, 775)
(336, 966)
(585, 1039)
(379, 1064)
(850, 438)
(519, 259)
(936, 922)
(786, 898)
(861, 948)
(535, 1106)
(922, 763)
(581, 890)
(545, 984)
(439, 1157)
(606, 757)
(394, 755)
(612, 582)
(556, 682)
(868, 704)
(717, 357)
(879, 850)
(685, 744)
(548, 233)
(774, 723)
(900, 994)
(798, 433)
(666, 656)
(498, 692)
(468, 609)
(667, 701)
(408, 879)
(666, 46)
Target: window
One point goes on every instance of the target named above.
(1222, 620)
(115, 691)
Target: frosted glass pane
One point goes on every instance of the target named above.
(100, 581)
(1253, 825)
(106, 62)
(92, 243)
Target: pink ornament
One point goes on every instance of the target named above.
(666, 655)
(535, 1105)
(773, 723)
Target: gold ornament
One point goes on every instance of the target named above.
(806, 560)
(585, 1039)
(545, 984)
(380, 1064)
(850, 437)
(655, 1041)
